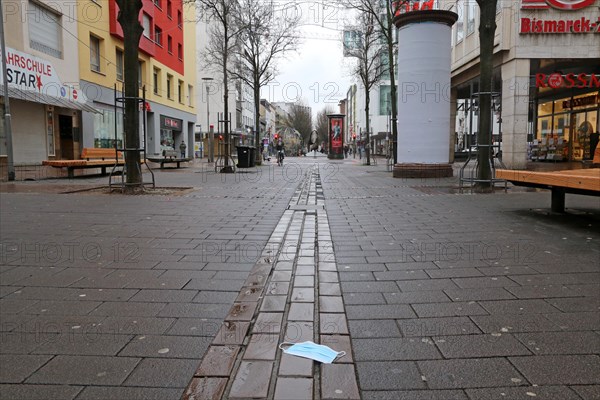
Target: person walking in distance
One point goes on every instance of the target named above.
(182, 148)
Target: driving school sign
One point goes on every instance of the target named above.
(34, 74)
(570, 23)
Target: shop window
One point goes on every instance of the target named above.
(119, 64)
(45, 31)
(104, 129)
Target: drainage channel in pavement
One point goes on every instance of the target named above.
(291, 295)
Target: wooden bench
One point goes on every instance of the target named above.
(90, 158)
(577, 181)
(169, 156)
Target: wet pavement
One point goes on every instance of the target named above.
(188, 292)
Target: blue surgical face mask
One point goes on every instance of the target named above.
(313, 351)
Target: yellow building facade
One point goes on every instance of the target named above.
(167, 68)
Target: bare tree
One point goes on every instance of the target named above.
(129, 11)
(266, 34)
(368, 67)
(299, 118)
(322, 126)
(383, 13)
(487, 30)
(223, 31)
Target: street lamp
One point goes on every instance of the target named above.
(211, 147)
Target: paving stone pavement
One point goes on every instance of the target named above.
(432, 294)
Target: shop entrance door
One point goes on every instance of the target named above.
(65, 129)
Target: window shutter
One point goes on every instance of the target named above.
(44, 31)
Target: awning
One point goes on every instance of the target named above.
(42, 98)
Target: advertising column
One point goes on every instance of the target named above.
(424, 56)
(336, 136)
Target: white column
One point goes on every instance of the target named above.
(424, 92)
(515, 107)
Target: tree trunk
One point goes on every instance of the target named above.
(129, 11)
(368, 135)
(393, 89)
(257, 138)
(226, 168)
(487, 29)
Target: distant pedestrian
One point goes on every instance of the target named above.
(182, 148)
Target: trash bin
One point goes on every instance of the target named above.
(245, 157)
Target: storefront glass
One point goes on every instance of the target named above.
(104, 129)
(564, 128)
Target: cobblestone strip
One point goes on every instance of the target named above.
(292, 295)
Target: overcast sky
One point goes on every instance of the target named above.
(318, 74)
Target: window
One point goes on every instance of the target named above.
(471, 10)
(460, 10)
(104, 129)
(156, 81)
(385, 100)
(45, 33)
(180, 51)
(147, 24)
(157, 3)
(169, 44)
(169, 84)
(94, 53)
(158, 35)
(169, 9)
(190, 95)
(119, 64)
(179, 20)
(140, 73)
(180, 91)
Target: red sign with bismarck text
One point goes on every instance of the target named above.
(571, 24)
(565, 5)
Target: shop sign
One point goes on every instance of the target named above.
(402, 7)
(582, 101)
(34, 74)
(567, 81)
(170, 123)
(564, 5)
(579, 24)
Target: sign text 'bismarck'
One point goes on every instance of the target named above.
(580, 25)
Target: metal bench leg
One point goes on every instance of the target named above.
(557, 203)
(71, 172)
(177, 164)
(103, 170)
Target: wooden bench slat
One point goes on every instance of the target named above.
(583, 179)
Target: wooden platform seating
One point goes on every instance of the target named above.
(168, 157)
(90, 158)
(577, 181)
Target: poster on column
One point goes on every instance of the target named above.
(336, 135)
